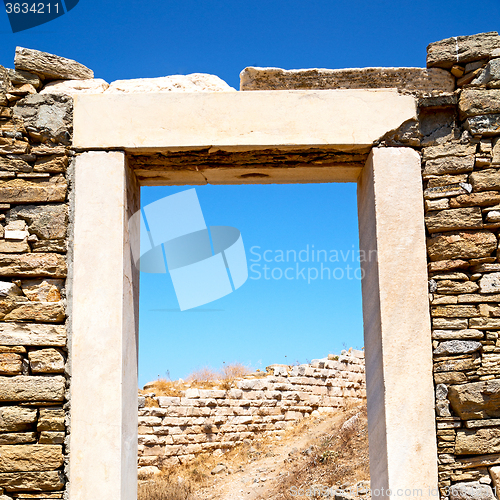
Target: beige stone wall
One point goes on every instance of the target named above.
(178, 428)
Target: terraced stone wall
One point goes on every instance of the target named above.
(175, 429)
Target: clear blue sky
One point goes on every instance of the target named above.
(265, 320)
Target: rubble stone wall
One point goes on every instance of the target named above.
(205, 420)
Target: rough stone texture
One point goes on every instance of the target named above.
(461, 244)
(449, 165)
(196, 82)
(471, 491)
(33, 265)
(45, 289)
(461, 49)
(50, 66)
(476, 400)
(486, 125)
(474, 102)
(46, 361)
(72, 87)
(32, 481)
(27, 388)
(17, 418)
(490, 283)
(448, 220)
(416, 79)
(32, 334)
(47, 221)
(51, 419)
(32, 457)
(10, 363)
(20, 77)
(478, 442)
(47, 117)
(457, 347)
(485, 180)
(24, 191)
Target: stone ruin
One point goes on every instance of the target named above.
(424, 147)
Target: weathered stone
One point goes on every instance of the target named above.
(453, 219)
(53, 164)
(454, 311)
(438, 204)
(476, 199)
(490, 75)
(16, 418)
(450, 378)
(195, 82)
(8, 289)
(474, 102)
(419, 79)
(450, 190)
(14, 165)
(447, 265)
(449, 323)
(465, 334)
(485, 323)
(455, 365)
(47, 437)
(471, 491)
(449, 165)
(32, 388)
(10, 364)
(47, 221)
(486, 180)
(46, 361)
(72, 87)
(17, 438)
(19, 77)
(44, 290)
(496, 151)
(12, 146)
(21, 191)
(14, 246)
(454, 287)
(490, 283)
(476, 399)
(5, 83)
(32, 481)
(445, 180)
(495, 476)
(44, 312)
(457, 347)
(33, 265)
(477, 442)
(32, 334)
(461, 49)
(51, 419)
(461, 244)
(483, 125)
(476, 298)
(47, 117)
(50, 66)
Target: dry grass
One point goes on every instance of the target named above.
(164, 488)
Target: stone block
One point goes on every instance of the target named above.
(452, 347)
(54, 164)
(50, 66)
(46, 312)
(48, 437)
(477, 441)
(48, 222)
(44, 290)
(31, 334)
(24, 191)
(461, 49)
(455, 311)
(471, 491)
(450, 378)
(462, 245)
(454, 219)
(32, 481)
(9, 438)
(17, 418)
(476, 399)
(454, 287)
(46, 361)
(30, 457)
(449, 165)
(13, 146)
(485, 180)
(33, 265)
(10, 364)
(32, 388)
(72, 87)
(485, 323)
(474, 102)
(490, 283)
(487, 125)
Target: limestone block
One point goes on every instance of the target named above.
(461, 244)
(449, 165)
(31, 334)
(450, 378)
(453, 219)
(48, 437)
(53, 164)
(33, 265)
(212, 393)
(46, 361)
(150, 421)
(30, 457)
(23, 191)
(450, 347)
(47, 117)
(192, 393)
(471, 491)
(454, 287)
(48, 312)
(167, 401)
(16, 418)
(32, 388)
(32, 481)
(495, 476)
(13, 146)
(485, 180)
(455, 365)
(485, 323)
(467, 334)
(476, 399)
(44, 290)
(486, 125)
(455, 311)
(49, 66)
(195, 82)
(19, 77)
(474, 102)
(462, 49)
(235, 393)
(14, 246)
(10, 364)
(48, 222)
(477, 441)
(72, 87)
(419, 79)
(9, 438)
(490, 283)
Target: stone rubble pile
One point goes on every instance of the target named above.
(206, 420)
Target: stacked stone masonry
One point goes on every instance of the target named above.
(205, 420)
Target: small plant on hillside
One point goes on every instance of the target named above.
(163, 488)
